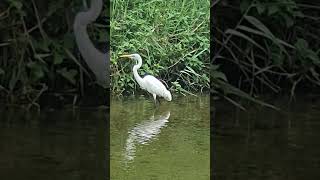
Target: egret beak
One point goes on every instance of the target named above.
(127, 56)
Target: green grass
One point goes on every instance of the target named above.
(171, 36)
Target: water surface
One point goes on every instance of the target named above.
(169, 142)
(265, 144)
(53, 145)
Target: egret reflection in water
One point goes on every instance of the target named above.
(143, 133)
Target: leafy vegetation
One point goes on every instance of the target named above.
(171, 36)
(259, 46)
(37, 49)
(272, 47)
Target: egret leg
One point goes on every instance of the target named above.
(155, 99)
(159, 101)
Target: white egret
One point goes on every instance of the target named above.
(149, 82)
(97, 61)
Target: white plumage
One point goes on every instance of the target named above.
(149, 83)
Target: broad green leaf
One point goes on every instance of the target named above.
(248, 29)
(273, 9)
(289, 21)
(301, 44)
(57, 58)
(275, 40)
(237, 33)
(299, 14)
(314, 73)
(233, 90)
(284, 43)
(258, 24)
(219, 75)
(44, 45)
(37, 71)
(277, 58)
(214, 67)
(16, 4)
(260, 7)
(68, 74)
(192, 71)
(313, 56)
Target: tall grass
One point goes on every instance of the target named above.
(171, 36)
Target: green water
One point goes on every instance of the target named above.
(171, 142)
(263, 144)
(53, 145)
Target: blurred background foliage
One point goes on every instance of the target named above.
(172, 37)
(38, 53)
(258, 46)
(265, 47)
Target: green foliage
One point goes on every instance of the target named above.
(37, 47)
(171, 36)
(270, 41)
(305, 54)
(278, 10)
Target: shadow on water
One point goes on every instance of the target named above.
(169, 142)
(265, 144)
(65, 144)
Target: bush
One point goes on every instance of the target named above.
(172, 37)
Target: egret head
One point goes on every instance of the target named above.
(132, 56)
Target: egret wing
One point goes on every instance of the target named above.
(154, 86)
